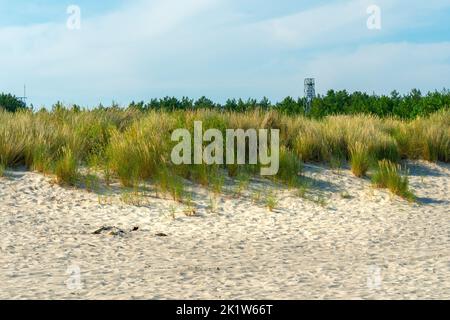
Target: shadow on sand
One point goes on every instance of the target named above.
(430, 201)
(420, 170)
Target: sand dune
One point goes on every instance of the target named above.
(353, 242)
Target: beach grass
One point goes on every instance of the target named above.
(66, 168)
(271, 201)
(359, 159)
(388, 175)
(2, 169)
(134, 146)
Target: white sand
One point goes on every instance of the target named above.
(370, 246)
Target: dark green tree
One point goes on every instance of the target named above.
(11, 103)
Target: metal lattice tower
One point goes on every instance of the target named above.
(310, 92)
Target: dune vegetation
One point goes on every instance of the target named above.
(131, 146)
(389, 175)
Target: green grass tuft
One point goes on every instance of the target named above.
(359, 159)
(66, 168)
(388, 175)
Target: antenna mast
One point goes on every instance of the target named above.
(24, 98)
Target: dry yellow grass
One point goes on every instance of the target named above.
(135, 146)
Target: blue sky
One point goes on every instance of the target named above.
(137, 50)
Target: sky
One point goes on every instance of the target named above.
(142, 49)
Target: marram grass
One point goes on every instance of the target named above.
(388, 175)
(134, 146)
(359, 159)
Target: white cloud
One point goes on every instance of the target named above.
(195, 47)
(384, 67)
(106, 57)
(343, 22)
(315, 26)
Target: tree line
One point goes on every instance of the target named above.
(407, 106)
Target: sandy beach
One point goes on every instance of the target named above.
(346, 241)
